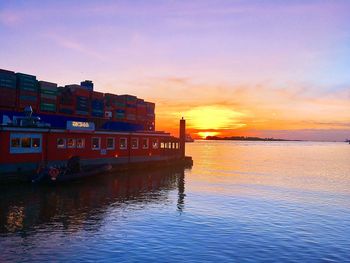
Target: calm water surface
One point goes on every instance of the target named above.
(241, 201)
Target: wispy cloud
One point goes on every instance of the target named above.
(258, 107)
(277, 64)
(75, 46)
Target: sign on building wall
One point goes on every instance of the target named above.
(80, 126)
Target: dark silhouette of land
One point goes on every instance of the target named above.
(243, 138)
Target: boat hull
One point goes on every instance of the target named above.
(25, 172)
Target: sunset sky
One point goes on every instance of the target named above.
(255, 68)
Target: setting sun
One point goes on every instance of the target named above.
(214, 117)
(204, 135)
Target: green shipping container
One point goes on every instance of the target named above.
(23, 76)
(49, 92)
(97, 111)
(44, 85)
(27, 98)
(27, 82)
(27, 86)
(119, 104)
(7, 81)
(31, 89)
(120, 115)
(47, 107)
(50, 97)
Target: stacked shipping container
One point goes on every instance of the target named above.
(48, 96)
(82, 99)
(115, 106)
(18, 90)
(27, 87)
(119, 108)
(150, 120)
(66, 101)
(87, 84)
(109, 102)
(97, 104)
(7, 89)
(141, 111)
(130, 107)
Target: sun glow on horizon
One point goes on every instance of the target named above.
(214, 117)
(205, 134)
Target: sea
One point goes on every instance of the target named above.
(240, 202)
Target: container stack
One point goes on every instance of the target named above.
(82, 105)
(66, 101)
(48, 96)
(150, 122)
(115, 105)
(123, 112)
(109, 100)
(27, 87)
(97, 104)
(141, 111)
(82, 99)
(87, 84)
(7, 89)
(119, 108)
(130, 108)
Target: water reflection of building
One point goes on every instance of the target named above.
(71, 206)
(181, 192)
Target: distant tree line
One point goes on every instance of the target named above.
(244, 138)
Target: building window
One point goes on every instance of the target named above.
(25, 143)
(134, 143)
(35, 143)
(155, 143)
(95, 143)
(110, 144)
(15, 142)
(123, 143)
(177, 145)
(61, 143)
(71, 143)
(162, 145)
(80, 143)
(145, 143)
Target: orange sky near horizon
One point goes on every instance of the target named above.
(254, 111)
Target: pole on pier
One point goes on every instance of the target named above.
(182, 137)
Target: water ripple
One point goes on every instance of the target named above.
(241, 202)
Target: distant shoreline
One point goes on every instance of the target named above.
(243, 138)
